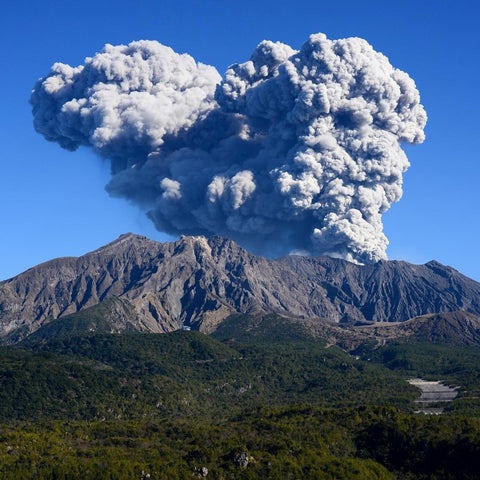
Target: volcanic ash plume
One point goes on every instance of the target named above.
(291, 151)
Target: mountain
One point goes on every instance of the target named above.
(139, 284)
(448, 328)
(454, 329)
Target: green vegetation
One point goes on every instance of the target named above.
(100, 318)
(113, 406)
(184, 373)
(456, 366)
(297, 442)
(269, 328)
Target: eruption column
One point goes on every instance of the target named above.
(290, 151)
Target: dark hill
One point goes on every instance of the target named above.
(448, 328)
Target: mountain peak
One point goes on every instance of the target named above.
(199, 281)
(125, 238)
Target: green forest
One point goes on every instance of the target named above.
(187, 405)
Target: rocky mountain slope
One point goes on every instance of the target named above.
(199, 282)
(459, 329)
(448, 328)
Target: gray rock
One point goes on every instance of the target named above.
(201, 472)
(240, 459)
(198, 282)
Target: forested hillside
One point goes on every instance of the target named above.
(284, 405)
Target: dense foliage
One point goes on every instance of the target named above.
(183, 373)
(174, 406)
(457, 366)
(299, 442)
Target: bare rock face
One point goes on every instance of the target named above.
(198, 282)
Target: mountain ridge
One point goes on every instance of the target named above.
(199, 282)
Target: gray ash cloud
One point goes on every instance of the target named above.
(291, 151)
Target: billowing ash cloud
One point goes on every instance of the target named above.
(291, 151)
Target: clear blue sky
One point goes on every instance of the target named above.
(53, 203)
